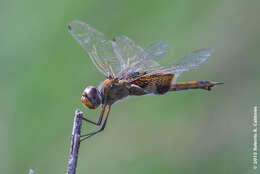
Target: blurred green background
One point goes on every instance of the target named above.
(43, 71)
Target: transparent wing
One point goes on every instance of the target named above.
(146, 61)
(100, 50)
(189, 61)
(185, 63)
(122, 56)
(127, 49)
(155, 51)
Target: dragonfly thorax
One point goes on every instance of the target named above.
(113, 91)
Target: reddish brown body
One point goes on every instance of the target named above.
(114, 90)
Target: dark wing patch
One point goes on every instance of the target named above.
(155, 83)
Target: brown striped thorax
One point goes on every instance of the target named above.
(131, 70)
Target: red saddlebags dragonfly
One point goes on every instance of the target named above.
(131, 70)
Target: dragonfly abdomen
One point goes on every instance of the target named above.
(202, 84)
(162, 89)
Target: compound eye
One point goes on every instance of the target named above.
(91, 97)
(92, 92)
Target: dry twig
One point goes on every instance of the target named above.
(75, 143)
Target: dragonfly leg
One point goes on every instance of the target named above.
(99, 119)
(203, 84)
(84, 137)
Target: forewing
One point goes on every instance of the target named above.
(146, 61)
(155, 51)
(127, 49)
(100, 50)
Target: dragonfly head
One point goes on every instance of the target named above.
(91, 97)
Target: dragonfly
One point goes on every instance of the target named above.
(131, 70)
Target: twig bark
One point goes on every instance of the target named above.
(75, 143)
